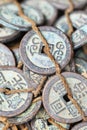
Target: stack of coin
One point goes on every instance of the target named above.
(25, 65)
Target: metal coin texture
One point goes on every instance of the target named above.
(13, 104)
(32, 50)
(56, 101)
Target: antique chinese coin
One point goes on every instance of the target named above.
(32, 50)
(56, 101)
(7, 58)
(80, 126)
(13, 104)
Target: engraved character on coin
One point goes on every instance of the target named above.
(13, 104)
(32, 50)
(56, 101)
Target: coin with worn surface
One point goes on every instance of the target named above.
(80, 54)
(2, 126)
(34, 78)
(32, 50)
(27, 115)
(46, 8)
(78, 18)
(7, 58)
(14, 104)
(79, 37)
(64, 4)
(7, 34)
(80, 126)
(56, 101)
(9, 16)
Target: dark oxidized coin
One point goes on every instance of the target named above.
(34, 78)
(64, 4)
(9, 16)
(27, 115)
(32, 50)
(14, 104)
(46, 8)
(80, 126)
(56, 101)
(79, 37)
(6, 56)
(7, 34)
(78, 18)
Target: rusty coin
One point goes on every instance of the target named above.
(7, 58)
(46, 8)
(80, 126)
(13, 104)
(56, 101)
(27, 115)
(32, 50)
(79, 37)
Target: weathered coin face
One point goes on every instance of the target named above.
(13, 104)
(46, 8)
(64, 4)
(80, 126)
(27, 115)
(81, 65)
(7, 58)
(9, 16)
(32, 50)
(78, 18)
(56, 101)
(2, 126)
(79, 37)
(34, 78)
(80, 54)
(7, 34)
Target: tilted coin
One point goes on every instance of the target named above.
(2, 126)
(46, 8)
(81, 65)
(9, 16)
(13, 104)
(80, 54)
(7, 58)
(32, 50)
(34, 78)
(27, 115)
(56, 101)
(78, 18)
(80, 126)
(79, 37)
(64, 4)
(7, 34)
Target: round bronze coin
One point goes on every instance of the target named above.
(56, 101)
(46, 8)
(13, 104)
(27, 115)
(79, 37)
(80, 126)
(34, 78)
(32, 50)
(64, 4)
(7, 34)
(7, 58)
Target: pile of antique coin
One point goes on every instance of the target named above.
(24, 65)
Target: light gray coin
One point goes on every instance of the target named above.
(13, 104)
(46, 8)
(79, 37)
(78, 18)
(9, 16)
(32, 50)
(7, 58)
(56, 101)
